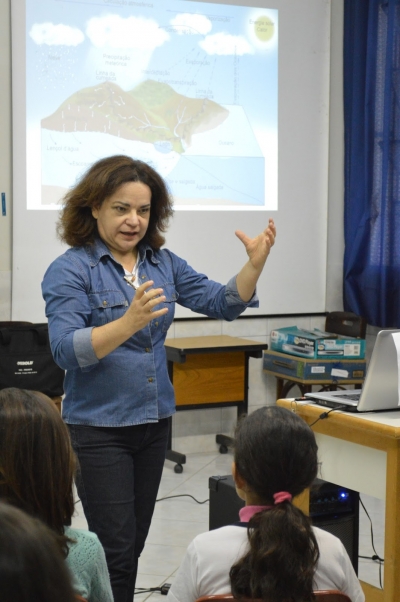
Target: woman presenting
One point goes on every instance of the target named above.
(109, 302)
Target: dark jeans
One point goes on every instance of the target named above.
(118, 478)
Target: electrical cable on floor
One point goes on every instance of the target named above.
(181, 495)
(163, 589)
(143, 590)
(375, 557)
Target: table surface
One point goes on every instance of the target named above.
(218, 342)
(385, 423)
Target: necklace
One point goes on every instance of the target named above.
(131, 277)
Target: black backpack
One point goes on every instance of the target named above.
(26, 361)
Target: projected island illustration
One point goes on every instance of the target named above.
(190, 88)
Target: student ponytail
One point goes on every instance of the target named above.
(276, 456)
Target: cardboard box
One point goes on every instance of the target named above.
(337, 370)
(314, 344)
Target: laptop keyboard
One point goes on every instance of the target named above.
(353, 397)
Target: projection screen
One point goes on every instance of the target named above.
(229, 101)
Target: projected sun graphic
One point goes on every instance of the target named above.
(264, 28)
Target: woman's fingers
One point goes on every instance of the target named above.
(150, 297)
(145, 304)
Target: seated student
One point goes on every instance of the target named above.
(273, 553)
(37, 467)
(31, 565)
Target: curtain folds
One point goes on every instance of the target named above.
(372, 160)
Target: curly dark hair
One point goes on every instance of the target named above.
(37, 462)
(76, 225)
(275, 450)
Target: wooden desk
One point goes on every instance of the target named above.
(211, 371)
(362, 452)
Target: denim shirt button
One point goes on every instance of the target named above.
(147, 349)
(150, 380)
(144, 277)
(104, 302)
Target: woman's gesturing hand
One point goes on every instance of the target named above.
(141, 311)
(143, 308)
(258, 248)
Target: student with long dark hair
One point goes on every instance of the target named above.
(31, 564)
(37, 468)
(273, 553)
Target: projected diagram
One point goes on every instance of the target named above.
(192, 92)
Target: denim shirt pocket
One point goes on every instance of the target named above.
(107, 306)
(171, 296)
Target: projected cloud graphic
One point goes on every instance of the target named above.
(132, 32)
(193, 93)
(56, 35)
(225, 44)
(190, 24)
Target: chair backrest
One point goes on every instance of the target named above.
(331, 596)
(346, 323)
(321, 596)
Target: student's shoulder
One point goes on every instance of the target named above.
(327, 541)
(222, 536)
(84, 540)
(85, 534)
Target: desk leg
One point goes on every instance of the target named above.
(392, 525)
(279, 387)
(283, 388)
(173, 455)
(302, 501)
(224, 441)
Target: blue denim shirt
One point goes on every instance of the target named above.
(85, 288)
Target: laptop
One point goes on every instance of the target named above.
(380, 390)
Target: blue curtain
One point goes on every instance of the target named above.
(372, 160)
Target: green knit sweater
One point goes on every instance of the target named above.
(87, 563)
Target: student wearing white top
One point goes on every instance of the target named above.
(273, 553)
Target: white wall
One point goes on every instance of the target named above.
(5, 162)
(335, 243)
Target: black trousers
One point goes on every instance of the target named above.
(119, 474)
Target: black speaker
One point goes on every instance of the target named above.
(224, 502)
(336, 510)
(332, 508)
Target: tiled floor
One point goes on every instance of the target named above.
(176, 521)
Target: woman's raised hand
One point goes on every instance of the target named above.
(258, 248)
